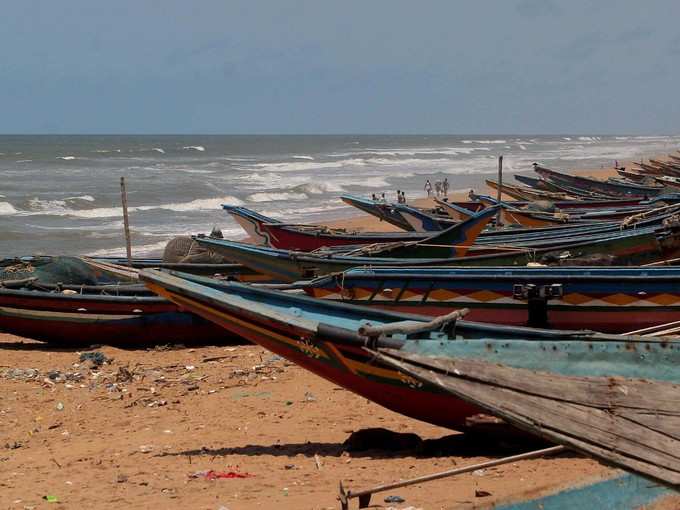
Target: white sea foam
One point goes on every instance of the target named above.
(66, 158)
(58, 207)
(158, 149)
(87, 198)
(198, 148)
(314, 188)
(7, 209)
(521, 146)
(23, 161)
(275, 196)
(305, 166)
(310, 158)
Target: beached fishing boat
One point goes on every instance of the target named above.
(588, 184)
(389, 213)
(309, 237)
(329, 338)
(66, 301)
(623, 247)
(528, 194)
(612, 300)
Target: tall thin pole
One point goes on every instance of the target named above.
(126, 222)
(500, 187)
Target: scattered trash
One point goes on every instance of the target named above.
(121, 479)
(214, 475)
(317, 461)
(51, 499)
(394, 499)
(481, 494)
(289, 466)
(146, 448)
(479, 472)
(289, 402)
(13, 446)
(59, 406)
(96, 358)
(20, 374)
(309, 397)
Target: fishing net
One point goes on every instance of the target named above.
(66, 270)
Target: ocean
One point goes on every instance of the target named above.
(61, 194)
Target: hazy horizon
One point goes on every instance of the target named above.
(305, 67)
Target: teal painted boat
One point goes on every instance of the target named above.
(617, 492)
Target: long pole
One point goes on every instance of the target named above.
(364, 495)
(500, 187)
(126, 222)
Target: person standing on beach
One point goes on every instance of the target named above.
(437, 188)
(399, 196)
(445, 186)
(428, 187)
(403, 197)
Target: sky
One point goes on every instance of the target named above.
(369, 66)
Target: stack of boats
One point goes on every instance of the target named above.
(571, 286)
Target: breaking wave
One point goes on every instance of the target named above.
(276, 196)
(198, 148)
(59, 208)
(66, 158)
(7, 209)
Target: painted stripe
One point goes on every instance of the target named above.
(66, 316)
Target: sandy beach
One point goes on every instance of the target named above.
(157, 427)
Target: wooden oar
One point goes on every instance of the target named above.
(365, 494)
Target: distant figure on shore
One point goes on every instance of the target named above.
(374, 198)
(403, 197)
(445, 187)
(438, 188)
(616, 163)
(383, 198)
(428, 188)
(399, 196)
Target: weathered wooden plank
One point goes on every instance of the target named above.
(597, 431)
(610, 392)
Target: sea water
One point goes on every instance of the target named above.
(61, 194)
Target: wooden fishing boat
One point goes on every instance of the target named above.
(586, 183)
(665, 165)
(533, 182)
(66, 302)
(378, 209)
(612, 300)
(632, 175)
(310, 237)
(390, 214)
(528, 194)
(532, 218)
(328, 339)
(613, 405)
(648, 169)
(667, 180)
(626, 247)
